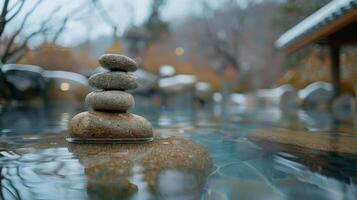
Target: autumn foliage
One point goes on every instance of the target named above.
(53, 57)
(316, 67)
(164, 53)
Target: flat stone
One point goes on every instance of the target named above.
(96, 124)
(289, 139)
(113, 81)
(110, 100)
(117, 62)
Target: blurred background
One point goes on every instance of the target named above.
(230, 75)
(203, 51)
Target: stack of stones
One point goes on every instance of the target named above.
(110, 119)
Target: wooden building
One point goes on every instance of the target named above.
(334, 25)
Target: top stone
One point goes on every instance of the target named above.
(117, 62)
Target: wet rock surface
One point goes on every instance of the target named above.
(295, 138)
(113, 81)
(110, 100)
(96, 124)
(117, 62)
(163, 161)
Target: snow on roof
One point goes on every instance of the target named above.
(320, 18)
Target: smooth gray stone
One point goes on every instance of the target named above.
(98, 124)
(113, 81)
(110, 100)
(118, 62)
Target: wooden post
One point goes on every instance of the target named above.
(335, 69)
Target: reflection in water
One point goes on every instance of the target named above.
(167, 165)
(318, 120)
(36, 120)
(37, 163)
(110, 179)
(173, 183)
(237, 179)
(167, 168)
(41, 174)
(317, 176)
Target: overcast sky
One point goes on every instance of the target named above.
(123, 12)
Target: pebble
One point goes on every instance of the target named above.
(98, 124)
(110, 100)
(117, 62)
(113, 81)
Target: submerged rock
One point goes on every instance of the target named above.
(319, 140)
(113, 81)
(105, 180)
(176, 168)
(110, 100)
(96, 124)
(170, 166)
(117, 62)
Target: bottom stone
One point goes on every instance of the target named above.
(104, 127)
(109, 140)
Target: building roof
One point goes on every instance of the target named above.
(327, 20)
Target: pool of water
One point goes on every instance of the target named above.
(214, 156)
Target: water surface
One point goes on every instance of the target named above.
(37, 163)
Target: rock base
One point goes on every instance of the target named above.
(103, 127)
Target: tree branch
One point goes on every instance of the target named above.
(106, 17)
(60, 30)
(13, 36)
(3, 16)
(80, 8)
(225, 48)
(17, 11)
(24, 43)
(8, 53)
(51, 28)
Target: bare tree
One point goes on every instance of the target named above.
(222, 30)
(106, 17)
(15, 45)
(219, 36)
(236, 37)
